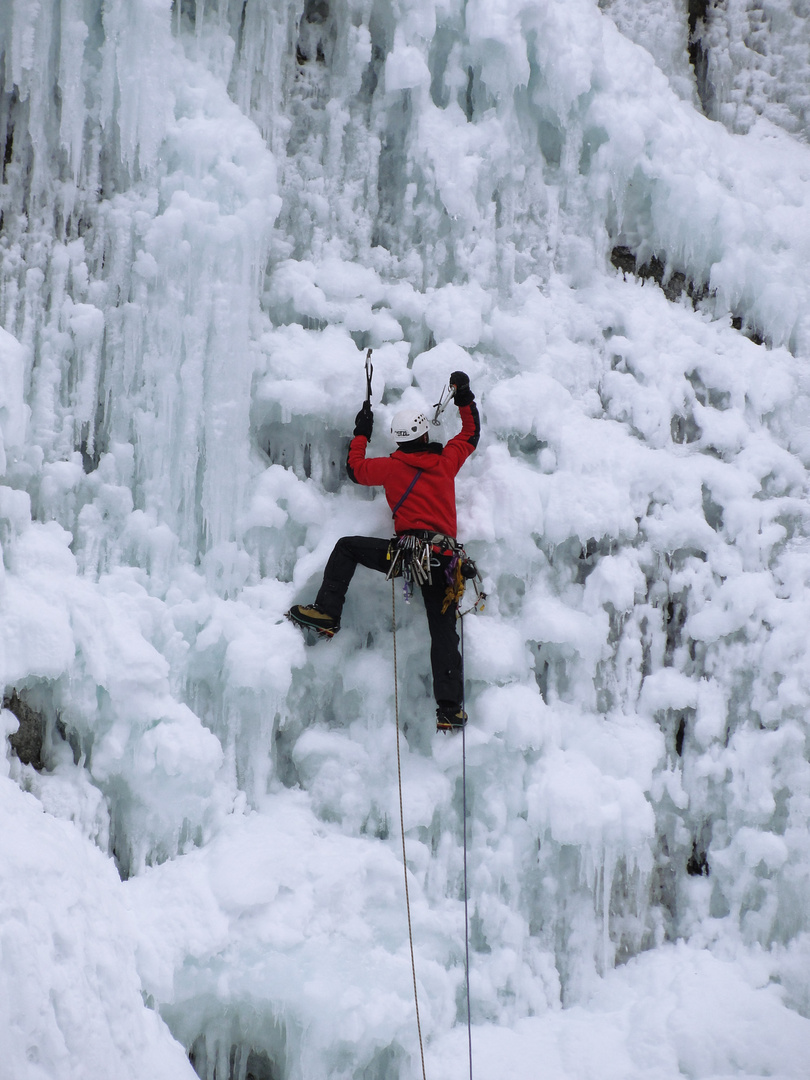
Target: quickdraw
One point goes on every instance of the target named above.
(410, 558)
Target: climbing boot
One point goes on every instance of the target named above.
(450, 718)
(313, 618)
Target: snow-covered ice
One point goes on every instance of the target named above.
(209, 212)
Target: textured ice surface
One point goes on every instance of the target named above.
(755, 54)
(209, 212)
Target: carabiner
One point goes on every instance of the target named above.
(442, 403)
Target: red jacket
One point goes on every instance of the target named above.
(431, 502)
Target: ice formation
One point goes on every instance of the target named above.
(209, 211)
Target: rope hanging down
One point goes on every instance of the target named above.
(402, 825)
(464, 826)
(402, 834)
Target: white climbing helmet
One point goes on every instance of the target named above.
(408, 425)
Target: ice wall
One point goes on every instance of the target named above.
(740, 60)
(754, 56)
(208, 212)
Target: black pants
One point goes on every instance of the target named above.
(445, 657)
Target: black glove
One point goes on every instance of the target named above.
(364, 421)
(460, 386)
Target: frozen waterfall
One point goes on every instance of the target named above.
(209, 210)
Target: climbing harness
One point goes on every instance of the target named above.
(414, 557)
(402, 827)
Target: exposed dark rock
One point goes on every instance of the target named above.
(623, 259)
(673, 286)
(697, 865)
(750, 332)
(26, 742)
(680, 735)
(9, 150)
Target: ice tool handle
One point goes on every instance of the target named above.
(369, 373)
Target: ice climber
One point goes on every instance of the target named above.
(419, 483)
